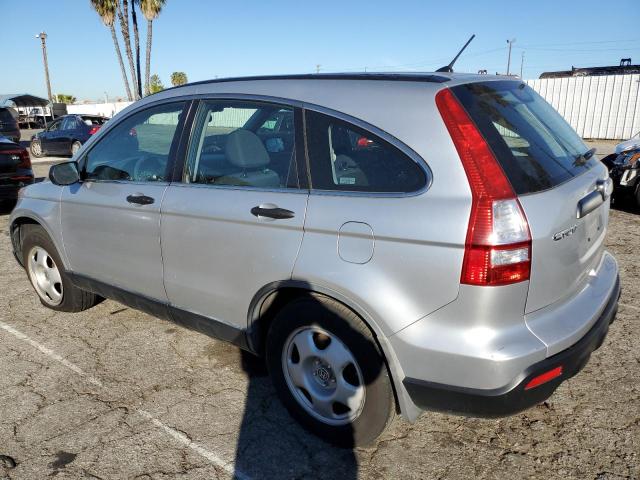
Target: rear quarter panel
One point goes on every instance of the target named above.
(418, 240)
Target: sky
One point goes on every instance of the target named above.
(212, 38)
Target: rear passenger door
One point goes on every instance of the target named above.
(66, 134)
(234, 222)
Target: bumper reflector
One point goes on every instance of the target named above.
(544, 378)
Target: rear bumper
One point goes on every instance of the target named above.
(514, 398)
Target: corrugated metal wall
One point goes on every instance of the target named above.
(603, 107)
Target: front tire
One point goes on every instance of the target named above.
(329, 372)
(48, 276)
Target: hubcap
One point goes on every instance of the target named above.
(36, 148)
(74, 148)
(323, 375)
(44, 276)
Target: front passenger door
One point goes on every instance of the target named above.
(111, 219)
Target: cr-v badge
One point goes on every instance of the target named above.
(565, 233)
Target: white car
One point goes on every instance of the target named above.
(631, 144)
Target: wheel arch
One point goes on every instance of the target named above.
(15, 233)
(268, 301)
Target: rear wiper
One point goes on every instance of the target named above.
(583, 158)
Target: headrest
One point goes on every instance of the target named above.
(245, 149)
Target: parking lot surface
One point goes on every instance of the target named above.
(115, 393)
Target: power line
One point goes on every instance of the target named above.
(582, 43)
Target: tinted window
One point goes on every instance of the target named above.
(348, 158)
(232, 146)
(536, 148)
(138, 148)
(93, 120)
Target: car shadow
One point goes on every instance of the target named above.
(272, 444)
(6, 207)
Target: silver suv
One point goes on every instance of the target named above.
(390, 243)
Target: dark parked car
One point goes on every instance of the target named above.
(15, 168)
(624, 170)
(65, 135)
(9, 125)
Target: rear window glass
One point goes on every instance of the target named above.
(534, 145)
(93, 120)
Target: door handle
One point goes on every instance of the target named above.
(140, 199)
(272, 212)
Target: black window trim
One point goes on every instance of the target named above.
(172, 152)
(387, 137)
(189, 130)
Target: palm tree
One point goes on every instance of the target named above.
(107, 11)
(178, 78)
(150, 9)
(136, 38)
(123, 16)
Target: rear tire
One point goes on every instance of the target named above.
(318, 352)
(48, 276)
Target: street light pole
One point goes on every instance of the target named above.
(510, 42)
(521, 63)
(43, 38)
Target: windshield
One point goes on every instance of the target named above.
(536, 148)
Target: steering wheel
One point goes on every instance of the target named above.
(147, 168)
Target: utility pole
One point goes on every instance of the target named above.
(43, 38)
(521, 63)
(510, 42)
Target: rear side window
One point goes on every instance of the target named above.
(536, 148)
(344, 157)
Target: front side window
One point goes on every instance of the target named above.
(238, 144)
(138, 148)
(345, 157)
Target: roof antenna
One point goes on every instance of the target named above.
(449, 68)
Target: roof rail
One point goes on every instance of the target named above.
(402, 77)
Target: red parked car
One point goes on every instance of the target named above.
(15, 169)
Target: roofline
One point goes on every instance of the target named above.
(401, 77)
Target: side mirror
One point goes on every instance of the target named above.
(64, 173)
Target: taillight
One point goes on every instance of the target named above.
(22, 156)
(498, 243)
(94, 130)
